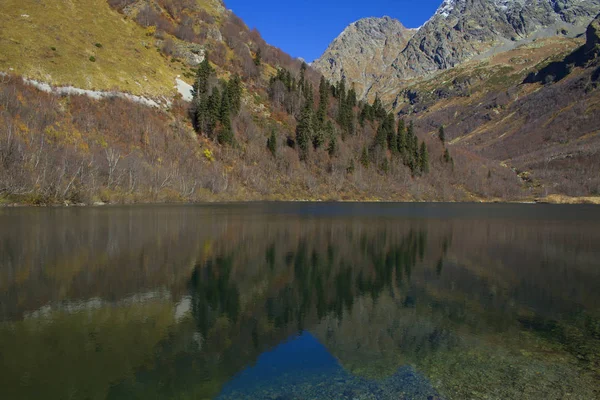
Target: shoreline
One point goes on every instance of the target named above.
(549, 200)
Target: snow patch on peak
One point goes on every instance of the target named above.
(446, 8)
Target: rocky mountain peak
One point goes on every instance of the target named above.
(459, 31)
(363, 50)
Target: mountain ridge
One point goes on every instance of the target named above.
(461, 30)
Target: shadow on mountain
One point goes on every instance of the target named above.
(583, 57)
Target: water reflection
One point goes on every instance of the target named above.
(285, 302)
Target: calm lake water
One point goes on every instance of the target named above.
(300, 301)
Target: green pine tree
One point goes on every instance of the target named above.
(318, 138)
(304, 132)
(332, 148)
(323, 100)
(447, 156)
(272, 143)
(424, 158)
(203, 75)
(442, 134)
(351, 98)
(390, 128)
(235, 93)
(401, 138)
(364, 157)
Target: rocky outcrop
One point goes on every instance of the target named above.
(363, 51)
(462, 30)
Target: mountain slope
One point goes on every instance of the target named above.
(462, 30)
(365, 49)
(534, 109)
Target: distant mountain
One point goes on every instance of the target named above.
(461, 30)
(363, 50)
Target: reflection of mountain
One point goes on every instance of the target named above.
(470, 301)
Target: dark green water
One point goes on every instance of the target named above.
(306, 301)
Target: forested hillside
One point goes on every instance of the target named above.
(260, 125)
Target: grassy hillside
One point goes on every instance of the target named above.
(547, 132)
(324, 144)
(54, 41)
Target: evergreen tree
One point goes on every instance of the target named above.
(323, 100)
(235, 93)
(442, 134)
(401, 138)
(381, 136)
(272, 143)
(378, 110)
(366, 114)
(225, 135)
(225, 106)
(385, 166)
(318, 138)
(329, 130)
(304, 132)
(341, 89)
(309, 95)
(447, 157)
(364, 157)
(212, 112)
(351, 98)
(424, 159)
(416, 152)
(203, 75)
(332, 148)
(302, 80)
(390, 125)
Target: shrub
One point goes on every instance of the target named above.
(92, 59)
(98, 45)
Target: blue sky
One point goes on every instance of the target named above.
(304, 28)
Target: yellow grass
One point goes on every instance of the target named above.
(127, 60)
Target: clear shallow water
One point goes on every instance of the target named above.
(300, 301)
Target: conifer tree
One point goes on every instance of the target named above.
(225, 135)
(203, 75)
(442, 134)
(364, 157)
(323, 100)
(332, 148)
(351, 98)
(416, 151)
(447, 157)
(235, 93)
(381, 136)
(225, 106)
(258, 57)
(390, 125)
(304, 132)
(378, 110)
(302, 79)
(272, 143)
(341, 89)
(424, 158)
(401, 138)
(213, 111)
(318, 138)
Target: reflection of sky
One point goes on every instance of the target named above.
(303, 368)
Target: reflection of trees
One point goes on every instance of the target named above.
(213, 294)
(405, 292)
